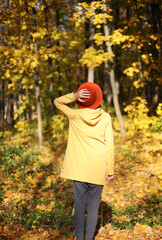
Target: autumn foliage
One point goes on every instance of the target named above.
(48, 48)
(33, 197)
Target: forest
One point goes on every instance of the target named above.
(48, 48)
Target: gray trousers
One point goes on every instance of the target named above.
(90, 194)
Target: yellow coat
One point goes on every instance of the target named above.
(90, 149)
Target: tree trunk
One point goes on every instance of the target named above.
(20, 101)
(28, 115)
(2, 103)
(10, 119)
(37, 87)
(39, 112)
(91, 43)
(112, 77)
(91, 74)
(156, 29)
(107, 89)
(48, 42)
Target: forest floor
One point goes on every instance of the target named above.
(36, 204)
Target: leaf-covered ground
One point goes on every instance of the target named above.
(37, 204)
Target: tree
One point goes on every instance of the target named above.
(91, 42)
(110, 67)
(140, 69)
(47, 47)
(94, 57)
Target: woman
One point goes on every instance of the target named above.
(89, 158)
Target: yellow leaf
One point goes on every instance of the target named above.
(79, 8)
(7, 74)
(145, 58)
(45, 56)
(36, 35)
(32, 4)
(31, 86)
(73, 44)
(6, 53)
(98, 26)
(34, 63)
(23, 27)
(138, 84)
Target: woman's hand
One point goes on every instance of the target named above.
(109, 177)
(83, 93)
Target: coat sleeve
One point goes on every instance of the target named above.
(61, 102)
(109, 148)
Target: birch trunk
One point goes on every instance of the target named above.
(112, 77)
(91, 41)
(37, 87)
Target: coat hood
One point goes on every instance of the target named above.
(91, 116)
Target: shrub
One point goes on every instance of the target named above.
(139, 119)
